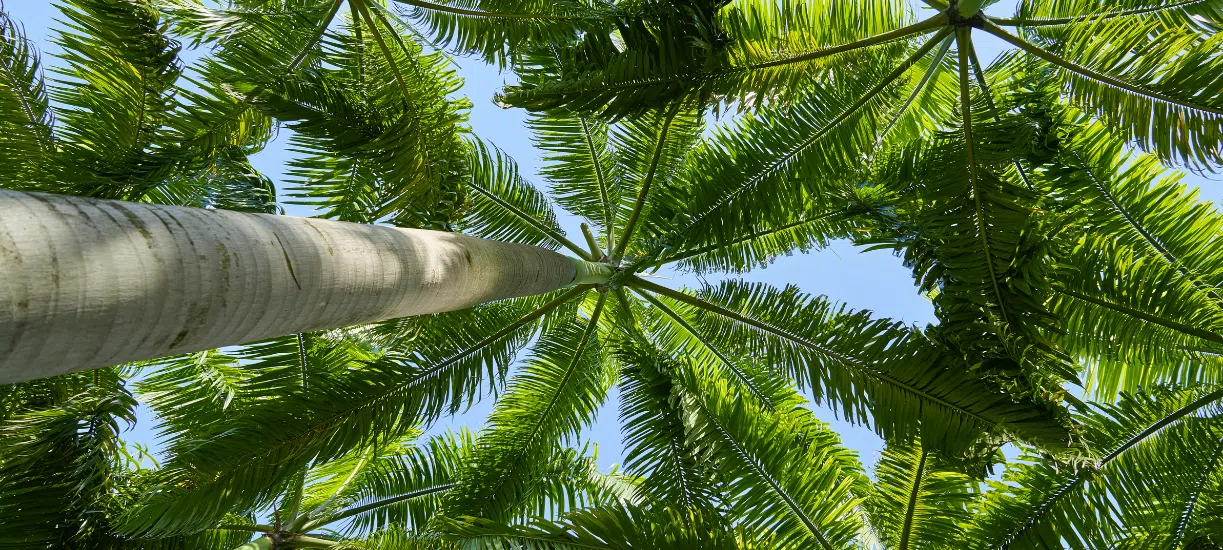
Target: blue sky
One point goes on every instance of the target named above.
(872, 280)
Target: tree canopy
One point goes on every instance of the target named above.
(1076, 281)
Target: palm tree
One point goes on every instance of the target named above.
(1010, 189)
(749, 339)
(1128, 496)
(1023, 220)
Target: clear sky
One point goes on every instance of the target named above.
(872, 280)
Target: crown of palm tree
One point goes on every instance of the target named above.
(1008, 190)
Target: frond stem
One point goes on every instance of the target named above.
(644, 192)
(993, 108)
(591, 242)
(386, 50)
(918, 476)
(1092, 74)
(700, 338)
(638, 282)
(963, 45)
(921, 27)
(1154, 319)
(609, 218)
(921, 85)
(295, 501)
(1058, 21)
(539, 226)
(314, 38)
(379, 504)
(485, 14)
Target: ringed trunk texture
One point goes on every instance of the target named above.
(86, 283)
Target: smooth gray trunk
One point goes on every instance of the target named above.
(87, 283)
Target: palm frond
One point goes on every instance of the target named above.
(368, 153)
(1175, 78)
(1129, 493)
(504, 206)
(557, 391)
(498, 29)
(783, 472)
(916, 501)
(616, 527)
(117, 89)
(244, 462)
(25, 114)
(872, 371)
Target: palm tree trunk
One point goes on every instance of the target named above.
(86, 283)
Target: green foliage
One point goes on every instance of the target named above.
(1052, 254)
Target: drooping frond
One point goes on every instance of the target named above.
(25, 115)
(504, 206)
(498, 30)
(1126, 307)
(1176, 77)
(60, 462)
(613, 528)
(872, 371)
(367, 152)
(117, 88)
(916, 501)
(239, 465)
(782, 471)
(733, 55)
(557, 391)
(1128, 494)
(655, 428)
(1144, 216)
(981, 243)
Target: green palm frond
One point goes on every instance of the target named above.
(731, 55)
(579, 157)
(776, 162)
(1129, 493)
(837, 215)
(25, 114)
(238, 464)
(504, 206)
(1139, 214)
(558, 390)
(118, 78)
(916, 501)
(59, 461)
(1175, 78)
(784, 472)
(655, 433)
(1069, 13)
(1126, 307)
(618, 527)
(498, 30)
(368, 153)
(981, 243)
(872, 371)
